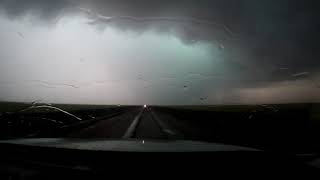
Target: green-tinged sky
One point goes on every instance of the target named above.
(183, 52)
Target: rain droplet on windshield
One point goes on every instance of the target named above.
(300, 74)
(221, 46)
(284, 68)
(203, 99)
(20, 34)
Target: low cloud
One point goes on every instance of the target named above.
(249, 49)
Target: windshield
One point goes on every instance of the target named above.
(239, 72)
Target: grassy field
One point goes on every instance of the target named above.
(287, 127)
(16, 106)
(313, 108)
(16, 123)
(244, 107)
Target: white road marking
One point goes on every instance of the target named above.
(132, 128)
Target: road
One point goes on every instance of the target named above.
(138, 123)
(262, 128)
(271, 131)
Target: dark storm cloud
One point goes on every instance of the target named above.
(269, 28)
(271, 40)
(42, 9)
(283, 33)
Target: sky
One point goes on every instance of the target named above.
(168, 52)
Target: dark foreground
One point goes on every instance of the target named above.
(293, 128)
(288, 136)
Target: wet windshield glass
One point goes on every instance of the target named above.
(160, 69)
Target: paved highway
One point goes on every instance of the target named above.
(264, 128)
(139, 123)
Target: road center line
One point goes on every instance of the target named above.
(132, 128)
